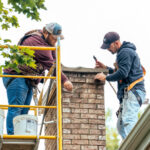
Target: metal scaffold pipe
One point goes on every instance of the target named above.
(26, 137)
(30, 47)
(27, 106)
(22, 76)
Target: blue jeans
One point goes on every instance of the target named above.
(129, 115)
(18, 93)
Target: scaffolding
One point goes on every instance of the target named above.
(32, 141)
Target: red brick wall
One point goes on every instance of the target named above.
(83, 115)
(51, 129)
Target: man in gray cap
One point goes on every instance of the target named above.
(19, 90)
(128, 73)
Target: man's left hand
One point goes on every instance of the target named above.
(100, 76)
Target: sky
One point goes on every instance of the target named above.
(84, 24)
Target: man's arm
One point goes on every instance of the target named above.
(101, 65)
(46, 58)
(124, 65)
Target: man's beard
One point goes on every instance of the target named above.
(48, 40)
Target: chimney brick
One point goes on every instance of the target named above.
(83, 114)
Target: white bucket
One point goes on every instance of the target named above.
(25, 125)
(2, 116)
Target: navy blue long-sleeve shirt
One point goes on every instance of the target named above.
(129, 69)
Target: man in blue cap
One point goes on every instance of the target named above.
(128, 73)
(19, 90)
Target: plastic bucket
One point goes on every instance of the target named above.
(2, 116)
(25, 125)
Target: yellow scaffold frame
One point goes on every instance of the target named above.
(59, 109)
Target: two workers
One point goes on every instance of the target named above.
(129, 69)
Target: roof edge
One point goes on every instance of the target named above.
(141, 129)
(84, 70)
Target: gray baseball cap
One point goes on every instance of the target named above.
(55, 29)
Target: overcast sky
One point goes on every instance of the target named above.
(84, 24)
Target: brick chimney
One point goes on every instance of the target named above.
(83, 112)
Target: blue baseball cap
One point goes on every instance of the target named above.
(55, 29)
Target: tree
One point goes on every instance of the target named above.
(13, 55)
(29, 8)
(112, 137)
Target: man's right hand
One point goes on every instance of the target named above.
(100, 65)
(68, 85)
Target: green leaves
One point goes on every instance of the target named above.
(14, 21)
(30, 8)
(5, 26)
(1, 5)
(7, 40)
(15, 57)
(7, 20)
(5, 12)
(112, 139)
(0, 69)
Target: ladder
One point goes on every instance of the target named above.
(23, 142)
